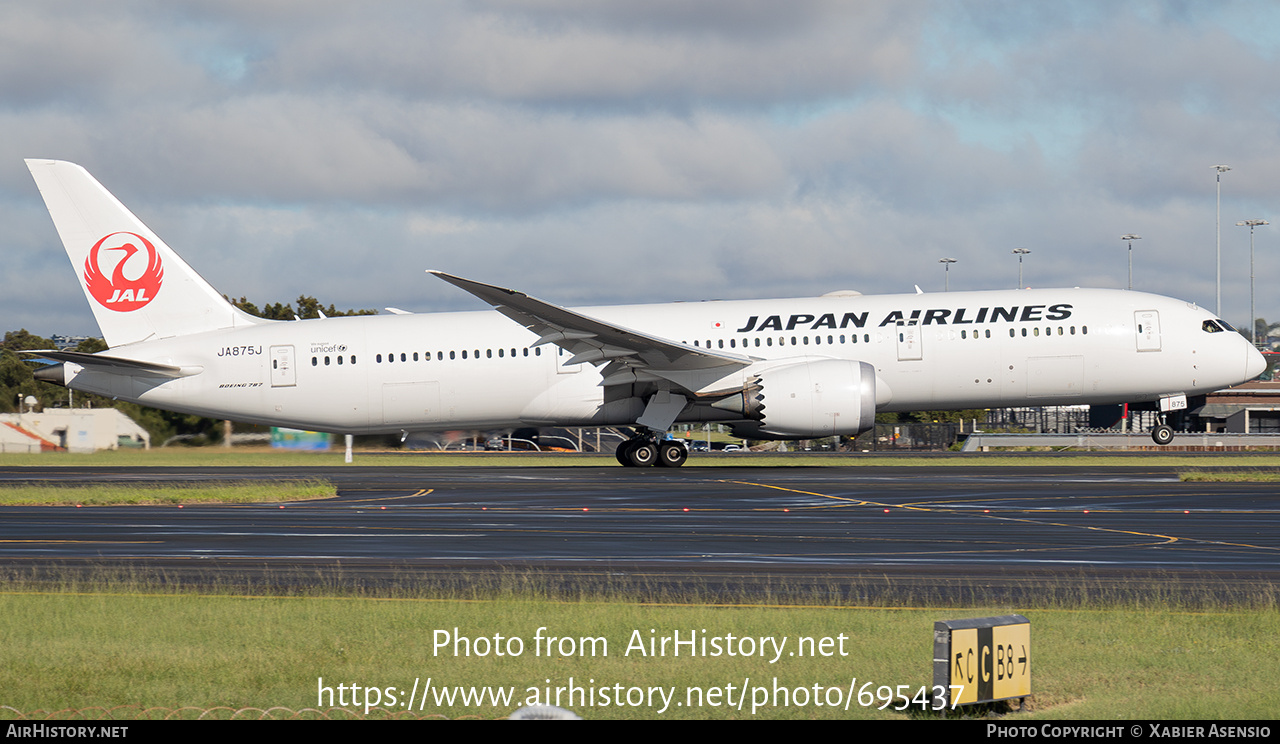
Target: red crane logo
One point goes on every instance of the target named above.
(121, 293)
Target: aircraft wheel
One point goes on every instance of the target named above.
(672, 455)
(623, 453)
(642, 454)
(1162, 434)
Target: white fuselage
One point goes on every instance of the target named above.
(478, 369)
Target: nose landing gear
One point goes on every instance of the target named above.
(1162, 434)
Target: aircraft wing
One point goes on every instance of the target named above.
(596, 341)
(114, 365)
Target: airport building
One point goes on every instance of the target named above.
(70, 429)
(1251, 408)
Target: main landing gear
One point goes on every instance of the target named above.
(644, 450)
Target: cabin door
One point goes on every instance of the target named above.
(283, 373)
(1146, 324)
(909, 336)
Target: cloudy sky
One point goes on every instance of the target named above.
(600, 153)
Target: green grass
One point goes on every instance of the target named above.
(128, 649)
(166, 494)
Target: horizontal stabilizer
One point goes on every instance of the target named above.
(115, 365)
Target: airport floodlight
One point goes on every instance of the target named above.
(1129, 239)
(1253, 322)
(946, 273)
(1020, 252)
(1218, 228)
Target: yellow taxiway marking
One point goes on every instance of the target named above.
(308, 504)
(1161, 539)
(415, 494)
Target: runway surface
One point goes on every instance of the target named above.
(1000, 524)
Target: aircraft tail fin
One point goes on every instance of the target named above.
(137, 287)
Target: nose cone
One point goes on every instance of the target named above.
(1254, 363)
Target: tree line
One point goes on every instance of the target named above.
(308, 307)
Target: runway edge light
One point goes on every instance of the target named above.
(981, 660)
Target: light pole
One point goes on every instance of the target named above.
(1020, 252)
(1129, 239)
(1218, 225)
(946, 273)
(1253, 323)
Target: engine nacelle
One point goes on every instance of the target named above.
(814, 399)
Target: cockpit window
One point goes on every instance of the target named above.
(1225, 325)
(1210, 327)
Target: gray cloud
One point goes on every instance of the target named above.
(628, 152)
